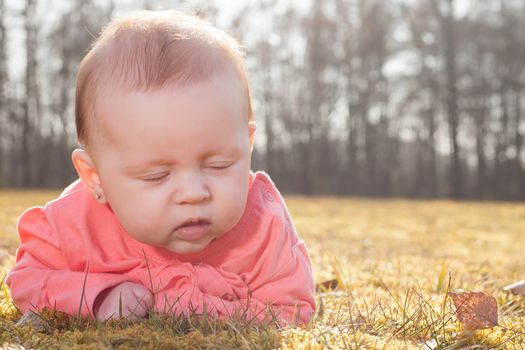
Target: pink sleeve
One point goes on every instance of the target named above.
(42, 278)
(283, 276)
(290, 289)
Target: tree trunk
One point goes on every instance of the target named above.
(3, 98)
(518, 144)
(350, 180)
(268, 99)
(32, 101)
(480, 153)
(431, 145)
(449, 28)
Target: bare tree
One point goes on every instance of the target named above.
(366, 51)
(444, 10)
(70, 39)
(479, 82)
(3, 82)
(423, 95)
(318, 29)
(31, 105)
(512, 82)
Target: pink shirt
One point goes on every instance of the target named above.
(73, 241)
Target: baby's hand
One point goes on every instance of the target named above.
(127, 300)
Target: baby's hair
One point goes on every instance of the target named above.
(149, 50)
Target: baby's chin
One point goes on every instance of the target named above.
(188, 247)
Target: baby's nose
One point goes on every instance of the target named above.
(191, 190)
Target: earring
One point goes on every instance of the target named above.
(98, 196)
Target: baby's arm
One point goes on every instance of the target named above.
(128, 299)
(42, 277)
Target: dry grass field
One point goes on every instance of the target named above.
(393, 261)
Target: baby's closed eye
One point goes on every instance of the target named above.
(219, 166)
(155, 177)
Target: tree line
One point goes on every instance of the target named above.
(352, 97)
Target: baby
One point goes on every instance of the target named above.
(166, 215)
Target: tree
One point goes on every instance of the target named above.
(422, 95)
(366, 51)
(317, 97)
(31, 104)
(69, 39)
(444, 10)
(3, 82)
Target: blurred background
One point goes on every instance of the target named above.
(400, 98)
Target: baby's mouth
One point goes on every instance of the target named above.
(193, 229)
(194, 222)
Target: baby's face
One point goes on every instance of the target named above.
(176, 166)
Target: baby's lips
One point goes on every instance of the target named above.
(194, 221)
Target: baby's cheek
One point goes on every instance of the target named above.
(142, 225)
(235, 206)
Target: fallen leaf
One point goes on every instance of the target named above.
(36, 321)
(475, 310)
(517, 288)
(359, 322)
(327, 285)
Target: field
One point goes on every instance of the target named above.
(390, 263)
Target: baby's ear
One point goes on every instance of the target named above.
(87, 172)
(252, 128)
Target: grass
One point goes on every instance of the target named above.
(393, 260)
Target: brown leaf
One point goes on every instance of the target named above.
(327, 285)
(36, 321)
(359, 321)
(475, 310)
(517, 288)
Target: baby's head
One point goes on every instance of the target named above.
(165, 122)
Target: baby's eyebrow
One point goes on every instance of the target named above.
(228, 152)
(232, 153)
(144, 165)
